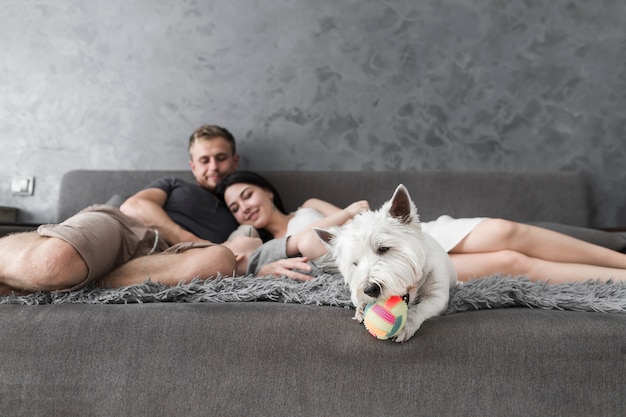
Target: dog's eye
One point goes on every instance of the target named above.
(382, 249)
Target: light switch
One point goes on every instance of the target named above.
(23, 186)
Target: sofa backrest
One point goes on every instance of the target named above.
(528, 197)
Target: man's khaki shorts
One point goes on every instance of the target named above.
(106, 238)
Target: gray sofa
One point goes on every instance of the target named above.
(290, 359)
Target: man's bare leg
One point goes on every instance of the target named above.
(173, 268)
(30, 262)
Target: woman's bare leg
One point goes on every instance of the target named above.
(536, 242)
(476, 265)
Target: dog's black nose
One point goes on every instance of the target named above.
(372, 289)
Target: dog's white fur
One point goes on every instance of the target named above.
(387, 247)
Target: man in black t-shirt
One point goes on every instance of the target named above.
(180, 224)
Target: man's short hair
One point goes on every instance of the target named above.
(207, 132)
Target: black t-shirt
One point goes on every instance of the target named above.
(196, 209)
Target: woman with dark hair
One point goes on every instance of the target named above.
(252, 178)
(254, 201)
(477, 246)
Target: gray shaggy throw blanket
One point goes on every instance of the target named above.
(490, 292)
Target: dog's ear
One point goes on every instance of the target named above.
(325, 236)
(401, 205)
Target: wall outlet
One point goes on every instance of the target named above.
(23, 186)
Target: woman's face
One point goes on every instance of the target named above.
(250, 204)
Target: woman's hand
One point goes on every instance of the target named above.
(357, 207)
(287, 267)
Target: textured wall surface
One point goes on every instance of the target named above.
(488, 85)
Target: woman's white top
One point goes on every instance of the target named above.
(303, 217)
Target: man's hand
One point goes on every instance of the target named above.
(287, 267)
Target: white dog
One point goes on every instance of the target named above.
(383, 253)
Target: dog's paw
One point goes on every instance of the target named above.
(358, 315)
(412, 325)
(405, 334)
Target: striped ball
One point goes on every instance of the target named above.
(385, 318)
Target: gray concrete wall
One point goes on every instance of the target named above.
(487, 85)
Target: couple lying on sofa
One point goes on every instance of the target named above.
(477, 246)
(177, 223)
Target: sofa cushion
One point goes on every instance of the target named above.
(261, 359)
(115, 200)
(557, 197)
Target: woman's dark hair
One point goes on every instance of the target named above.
(249, 177)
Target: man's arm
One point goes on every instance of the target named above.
(147, 207)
